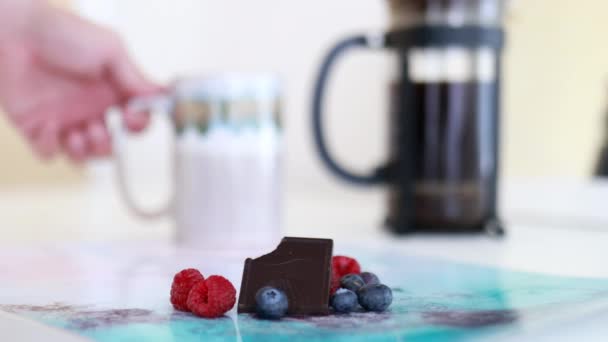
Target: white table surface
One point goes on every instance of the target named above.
(556, 228)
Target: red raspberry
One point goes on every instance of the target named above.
(212, 297)
(341, 266)
(182, 283)
(198, 296)
(335, 282)
(344, 265)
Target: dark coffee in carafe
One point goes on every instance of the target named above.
(454, 151)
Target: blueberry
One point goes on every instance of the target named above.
(352, 282)
(344, 301)
(375, 297)
(271, 303)
(369, 278)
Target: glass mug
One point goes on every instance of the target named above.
(227, 160)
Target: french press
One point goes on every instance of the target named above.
(442, 173)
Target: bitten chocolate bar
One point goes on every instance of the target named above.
(301, 267)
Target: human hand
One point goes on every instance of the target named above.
(58, 76)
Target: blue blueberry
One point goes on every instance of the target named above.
(369, 278)
(271, 303)
(352, 282)
(344, 301)
(375, 297)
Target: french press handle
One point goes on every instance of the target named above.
(380, 174)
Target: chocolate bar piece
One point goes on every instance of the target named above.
(301, 267)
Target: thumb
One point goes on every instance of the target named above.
(128, 79)
(129, 83)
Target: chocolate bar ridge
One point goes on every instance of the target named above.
(301, 267)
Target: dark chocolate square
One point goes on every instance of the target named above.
(301, 267)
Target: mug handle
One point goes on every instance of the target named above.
(156, 103)
(380, 174)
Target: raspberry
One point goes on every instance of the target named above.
(345, 265)
(198, 296)
(335, 281)
(182, 283)
(341, 266)
(212, 297)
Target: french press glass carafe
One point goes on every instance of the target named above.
(444, 122)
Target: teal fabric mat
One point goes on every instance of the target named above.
(434, 300)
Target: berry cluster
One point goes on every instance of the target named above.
(208, 298)
(351, 288)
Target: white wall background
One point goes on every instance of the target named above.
(189, 37)
(554, 92)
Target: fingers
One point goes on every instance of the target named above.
(98, 138)
(43, 136)
(135, 121)
(85, 140)
(90, 141)
(46, 142)
(75, 145)
(130, 83)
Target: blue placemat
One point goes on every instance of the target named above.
(123, 296)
